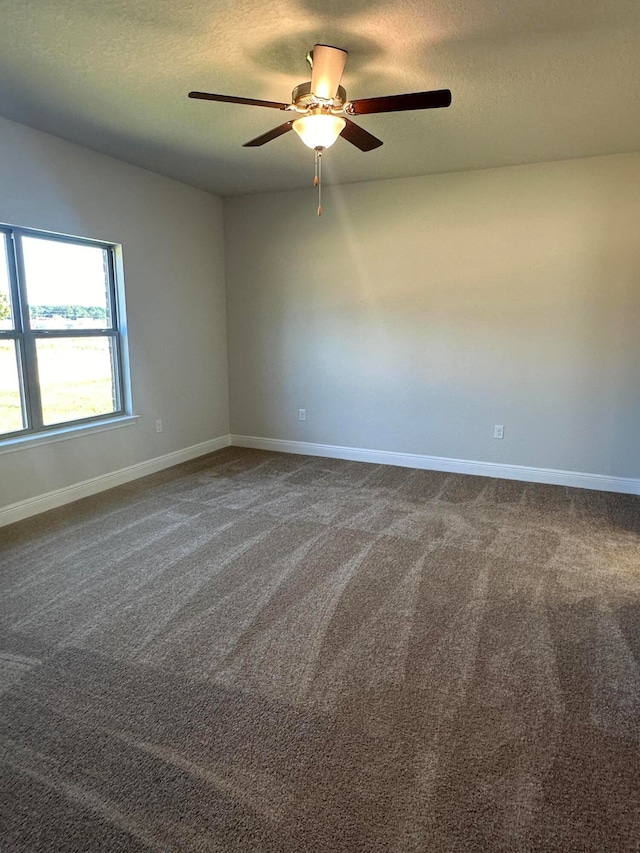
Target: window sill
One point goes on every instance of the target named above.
(26, 442)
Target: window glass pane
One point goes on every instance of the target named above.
(77, 378)
(6, 321)
(10, 402)
(67, 284)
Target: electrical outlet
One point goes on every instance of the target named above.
(498, 431)
(302, 414)
(159, 425)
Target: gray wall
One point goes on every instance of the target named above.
(172, 240)
(417, 313)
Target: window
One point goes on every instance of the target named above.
(60, 340)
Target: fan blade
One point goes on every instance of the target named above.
(326, 71)
(360, 137)
(230, 99)
(398, 103)
(269, 135)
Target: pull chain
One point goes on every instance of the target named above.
(317, 181)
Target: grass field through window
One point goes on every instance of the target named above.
(76, 381)
(10, 409)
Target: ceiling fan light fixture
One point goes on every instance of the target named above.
(318, 107)
(319, 130)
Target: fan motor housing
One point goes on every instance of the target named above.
(303, 98)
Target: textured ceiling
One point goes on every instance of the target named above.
(532, 80)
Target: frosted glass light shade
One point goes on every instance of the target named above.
(319, 131)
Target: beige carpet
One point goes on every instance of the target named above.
(264, 652)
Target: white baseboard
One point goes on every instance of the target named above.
(601, 482)
(59, 497)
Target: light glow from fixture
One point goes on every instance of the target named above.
(319, 130)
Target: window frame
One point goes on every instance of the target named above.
(26, 338)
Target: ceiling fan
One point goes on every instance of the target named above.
(323, 111)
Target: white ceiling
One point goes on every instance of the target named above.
(532, 80)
